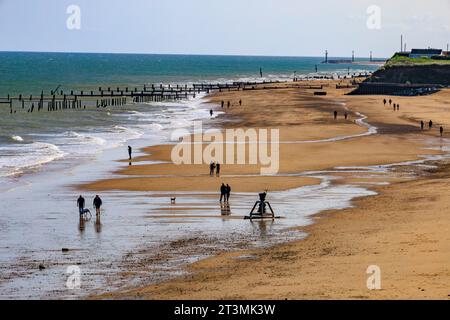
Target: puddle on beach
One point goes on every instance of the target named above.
(161, 239)
(142, 237)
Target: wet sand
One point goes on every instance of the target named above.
(306, 124)
(404, 230)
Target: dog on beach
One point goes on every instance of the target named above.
(86, 214)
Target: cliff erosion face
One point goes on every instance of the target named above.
(418, 74)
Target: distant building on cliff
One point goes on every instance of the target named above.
(425, 53)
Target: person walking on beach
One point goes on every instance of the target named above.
(395, 106)
(228, 191)
(390, 101)
(212, 167)
(441, 130)
(398, 107)
(384, 102)
(430, 124)
(346, 116)
(240, 103)
(97, 204)
(335, 115)
(218, 169)
(81, 203)
(228, 105)
(211, 112)
(130, 152)
(223, 104)
(223, 193)
(422, 125)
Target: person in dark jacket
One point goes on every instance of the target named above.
(97, 204)
(212, 168)
(223, 193)
(80, 204)
(218, 169)
(130, 152)
(228, 193)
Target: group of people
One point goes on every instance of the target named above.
(211, 112)
(396, 107)
(225, 193)
(81, 204)
(430, 126)
(229, 104)
(214, 168)
(336, 115)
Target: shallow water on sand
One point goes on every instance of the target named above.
(142, 237)
(43, 219)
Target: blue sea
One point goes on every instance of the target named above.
(29, 141)
(44, 155)
(32, 72)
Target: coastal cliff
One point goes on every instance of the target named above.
(412, 74)
(404, 76)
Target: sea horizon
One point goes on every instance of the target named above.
(192, 54)
(36, 147)
(33, 73)
(209, 151)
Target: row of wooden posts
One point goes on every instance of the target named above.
(105, 97)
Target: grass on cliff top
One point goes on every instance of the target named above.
(406, 61)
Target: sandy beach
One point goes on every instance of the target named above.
(404, 229)
(306, 124)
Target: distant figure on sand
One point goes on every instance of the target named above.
(223, 104)
(130, 152)
(211, 112)
(395, 106)
(81, 203)
(422, 125)
(390, 101)
(218, 169)
(430, 124)
(228, 193)
(97, 204)
(212, 167)
(384, 102)
(223, 192)
(228, 105)
(335, 115)
(441, 129)
(240, 102)
(398, 107)
(346, 116)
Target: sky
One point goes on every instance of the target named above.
(228, 27)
